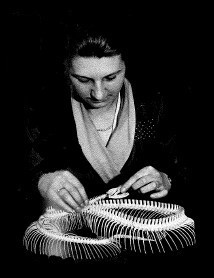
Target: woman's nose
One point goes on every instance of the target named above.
(98, 92)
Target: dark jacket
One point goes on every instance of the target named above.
(54, 146)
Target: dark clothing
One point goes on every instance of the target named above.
(56, 147)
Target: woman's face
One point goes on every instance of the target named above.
(97, 81)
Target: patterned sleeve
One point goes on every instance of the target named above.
(157, 132)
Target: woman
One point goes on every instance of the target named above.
(107, 138)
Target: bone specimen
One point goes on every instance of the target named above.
(115, 224)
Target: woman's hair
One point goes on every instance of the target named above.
(90, 40)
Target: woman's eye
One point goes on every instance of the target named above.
(83, 80)
(110, 78)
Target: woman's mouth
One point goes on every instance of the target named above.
(98, 101)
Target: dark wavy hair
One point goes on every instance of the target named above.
(93, 40)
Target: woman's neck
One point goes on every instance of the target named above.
(104, 118)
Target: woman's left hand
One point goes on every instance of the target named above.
(148, 179)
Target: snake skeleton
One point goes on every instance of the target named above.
(115, 223)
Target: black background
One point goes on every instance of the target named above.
(167, 50)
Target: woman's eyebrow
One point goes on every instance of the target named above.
(113, 73)
(82, 76)
(79, 76)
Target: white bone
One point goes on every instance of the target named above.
(137, 224)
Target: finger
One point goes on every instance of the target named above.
(74, 193)
(75, 182)
(68, 181)
(131, 181)
(159, 194)
(83, 194)
(143, 172)
(69, 200)
(145, 180)
(149, 187)
(62, 204)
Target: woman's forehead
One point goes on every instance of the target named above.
(93, 66)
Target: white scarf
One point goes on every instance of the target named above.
(107, 160)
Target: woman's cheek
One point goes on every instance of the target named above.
(116, 87)
(81, 90)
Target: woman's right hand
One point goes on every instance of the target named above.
(64, 190)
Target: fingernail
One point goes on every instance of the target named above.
(122, 190)
(86, 202)
(78, 209)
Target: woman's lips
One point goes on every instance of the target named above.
(98, 101)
